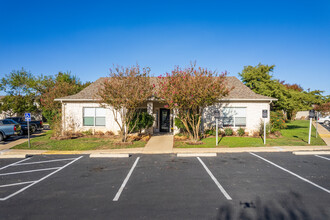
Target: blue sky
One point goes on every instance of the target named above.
(88, 37)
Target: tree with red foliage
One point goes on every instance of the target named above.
(188, 91)
(323, 108)
(124, 91)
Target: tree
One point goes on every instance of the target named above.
(50, 88)
(21, 94)
(291, 97)
(188, 91)
(323, 108)
(124, 91)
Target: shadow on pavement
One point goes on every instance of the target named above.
(289, 207)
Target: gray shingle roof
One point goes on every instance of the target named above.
(239, 91)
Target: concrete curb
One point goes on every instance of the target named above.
(106, 155)
(8, 156)
(311, 152)
(196, 155)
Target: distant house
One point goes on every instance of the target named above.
(241, 108)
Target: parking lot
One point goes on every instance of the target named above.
(229, 186)
(325, 126)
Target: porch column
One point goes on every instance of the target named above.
(176, 130)
(150, 110)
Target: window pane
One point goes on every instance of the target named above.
(100, 112)
(228, 112)
(6, 122)
(100, 121)
(240, 112)
(88, 121)
(89, 112)
(240, 121)
(228, 121)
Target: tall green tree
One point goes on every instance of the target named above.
(21, 95)
(291, 97)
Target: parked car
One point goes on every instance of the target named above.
(7, 129)
(325, 120)
(35, 125)
(24, 128)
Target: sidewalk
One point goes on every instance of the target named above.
(324, 133)
(159, 145)
(164, 145)
(157, 150)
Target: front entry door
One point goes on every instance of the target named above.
(164, 120)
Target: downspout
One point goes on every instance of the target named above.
(63, 117)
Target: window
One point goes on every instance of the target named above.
(234, 116)
(94, 117)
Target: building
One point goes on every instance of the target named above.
(241, 108)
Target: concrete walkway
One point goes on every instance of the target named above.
(159, 145)
(324, 133)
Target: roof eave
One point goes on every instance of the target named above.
(242, 99)
(76, 100)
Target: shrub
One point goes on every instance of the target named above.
(178, 123)
(134, 137)
(88, 132)
(210, 132)
(109, 133)
(256, 134)
(277, 121)
(99, 133)
(143, 120)
(229, 131)
(261, 128)
(241, 131)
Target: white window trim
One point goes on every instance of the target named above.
(234, 117)
(105, 121)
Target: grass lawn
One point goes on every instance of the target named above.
(296, 134)
(43, 142)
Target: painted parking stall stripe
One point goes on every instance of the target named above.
(13, 164)
(29, 171)
(36, 181)
(215, 180)
(16, 184)
(116, 198)
(45, 161)
(292, 173)
(326, 158)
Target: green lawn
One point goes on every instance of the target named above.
(296, 134)
(43, 142)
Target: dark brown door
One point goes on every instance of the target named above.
(164, 120)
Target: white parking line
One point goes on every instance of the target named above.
(215, 180)
(16, 184)
(125, 181)
(13, 164)
(37, 181)
(292, 173)
(326, 158)
(29, 171)
(45, 161)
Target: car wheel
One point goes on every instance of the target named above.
(33, 129)
(327, 123)
(1, 137)
(21, 132)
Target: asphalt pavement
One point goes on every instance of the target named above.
(229, 186)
